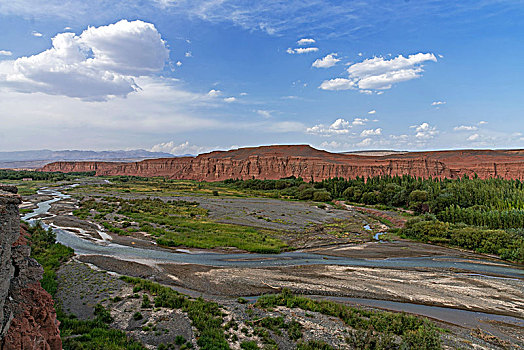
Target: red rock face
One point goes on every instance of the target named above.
(275, 162)
(35, 325)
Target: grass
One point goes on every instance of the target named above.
(414, 332)
(206, 316)
(176, 223)
(76, 334)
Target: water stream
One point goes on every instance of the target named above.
(471, 319)
(108, 248)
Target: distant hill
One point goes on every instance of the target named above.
(38, 158)
(275, 162)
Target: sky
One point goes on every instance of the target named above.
(190, 76)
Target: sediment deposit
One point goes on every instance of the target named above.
(275, 162)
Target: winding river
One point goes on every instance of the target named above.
(122, 252)
(478, 266)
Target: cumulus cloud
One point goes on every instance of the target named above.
(482, 122)
(230, 99)
(438, 103)
(306, 41)
(372, 112)
(99, 63)
(339, 126)
(371, 132)
(214, 93)
(178, 149)
(178, 63)
(359, 121)
(379, 73)
(337, 84)
(5, 53)
(301, 50)
(188, 54)
(425, 131)
(37, 34)
(474, 137)
(326, 62)
(365, 142)
(465, 128)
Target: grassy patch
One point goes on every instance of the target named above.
(76, 334)
(414, 332)
(206, 316)
(48, 253)
(176, 223)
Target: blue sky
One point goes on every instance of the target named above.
(193, 76)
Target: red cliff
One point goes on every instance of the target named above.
(27, 314)
(275, 162)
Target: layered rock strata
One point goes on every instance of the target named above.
(275, 162)
(27, 315)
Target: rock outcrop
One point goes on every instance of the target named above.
(27, 315)
(275, 162)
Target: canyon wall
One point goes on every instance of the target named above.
(27, 314)
(275, 162)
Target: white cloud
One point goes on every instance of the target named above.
(425, 131)
(37, 34)
(379, 73)
(482, 122)
(337, 84)
(371, 132)
(264, 113)
(214, 93)
(365, 142)
(188, 54)
(438, 103)
(5, 53)
(178, 63)
(359, 121)
(243, 94)
(306, 41)
(474, 137)
(178, 149)
(97, 65)
(326, 62)
(230, 99)
(465, 128)
(372, 112)
(339, 126)
(301, 50)
(68, 28)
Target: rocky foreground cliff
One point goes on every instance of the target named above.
(27, 314)
(275, 162)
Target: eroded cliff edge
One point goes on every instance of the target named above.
(27, 315)
(275, 162)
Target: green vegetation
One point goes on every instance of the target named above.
(414, 332)
(76, 334)
(486, 216)
(206, 316)
(94, 334)
(176, 223)
(508, 244)
(48, 253)
(276, 325)
(39, 175)
(316, 345)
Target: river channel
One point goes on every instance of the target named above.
(475, 266)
